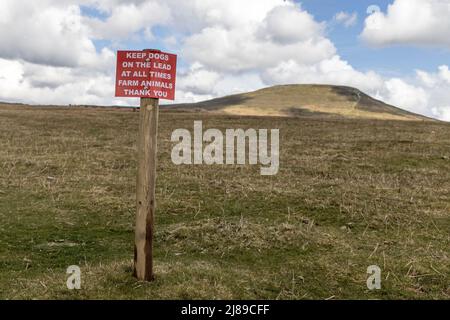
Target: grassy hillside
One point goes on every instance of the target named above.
(319, 101)
(349, 194)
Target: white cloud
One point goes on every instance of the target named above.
(437, 86)
(192, 16)
(400, 93)
(290, 24)
(426, 79)
(198, 80)
(444, 73)
(414, 22)
(329, 71)
(198, 83)
(347, 19)
(11, 74)
(241, 50)
(232, 84)
(442, 113)
(45, 34)
(40, 84)
(256, 46)
(128, 18)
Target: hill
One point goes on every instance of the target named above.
(304, 101)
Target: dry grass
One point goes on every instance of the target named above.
(350, 193)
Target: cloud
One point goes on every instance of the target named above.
(332, 71)
(411, 22)
(242, 50)
(289, 24)
(282, 34)
(49, 56)
(347, 19)
(400, 93)
(444, 73)
(40, 84)
(45, 34)
(442, 113)
(125, 19)
(437, 86)
(192, 16)
(198, 80)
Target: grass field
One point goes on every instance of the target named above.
(349, 194)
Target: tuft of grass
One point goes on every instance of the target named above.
(349, 194)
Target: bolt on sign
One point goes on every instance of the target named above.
(146, 74)
(149, 75)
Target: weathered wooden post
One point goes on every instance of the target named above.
(150, 75)
(145, 189)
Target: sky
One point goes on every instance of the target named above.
(63, 51)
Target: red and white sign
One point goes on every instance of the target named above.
(146, 74)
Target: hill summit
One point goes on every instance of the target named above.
(318, 101)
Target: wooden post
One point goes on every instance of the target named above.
(145, 193)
